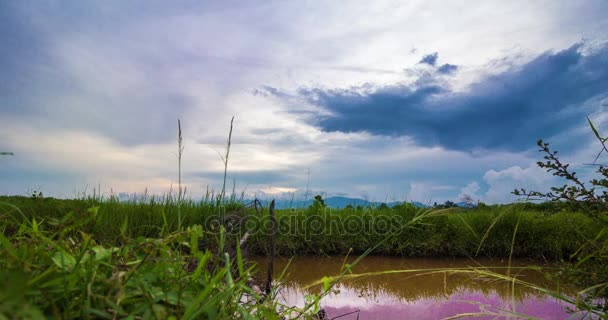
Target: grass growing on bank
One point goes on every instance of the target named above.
(483, 232)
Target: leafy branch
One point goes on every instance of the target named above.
(592, 199)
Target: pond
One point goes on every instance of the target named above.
(420, 295)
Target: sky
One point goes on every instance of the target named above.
(386, 100)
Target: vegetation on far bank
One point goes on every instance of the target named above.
(486, 231)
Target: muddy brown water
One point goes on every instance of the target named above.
(430, 293)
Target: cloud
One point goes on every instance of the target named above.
(249, 177)
(447, 68)
(430, 59)
(471, 190)
(544, 97)
(61, 70)
(427, 192)
(502, 182)
(63, 162)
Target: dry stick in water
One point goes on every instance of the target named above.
(247, 234)
(244, 239)
(271, 256)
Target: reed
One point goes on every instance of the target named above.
(486, 232)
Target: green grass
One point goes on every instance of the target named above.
(62, 260)
(484, 232)
(103, 258)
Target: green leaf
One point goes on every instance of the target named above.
(326, 283)
(229, 280)
(9, 247)
(160, 312)
(35, 225)
(85, 258)
(93, 211)
(102, 253)
(239, 259)
(597, 134)
(124, 227)
(63, 260)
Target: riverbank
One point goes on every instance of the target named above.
(493, 231)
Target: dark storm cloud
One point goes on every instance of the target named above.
(508, 111)
(447, 68)
(20, 45)
(430, 59)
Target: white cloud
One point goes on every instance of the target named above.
(470, 190)
(427, 192)
(503, 182)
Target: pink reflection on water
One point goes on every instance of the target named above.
(424, 295)
(384, 306)
(547, 308)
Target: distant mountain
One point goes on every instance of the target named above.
(465, 205)
(419, 204)
(341, 202)
(335, 202)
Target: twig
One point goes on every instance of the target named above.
(180, 149)
(307, 185)
(601, 139)
(346, 314)
(244, 239)
(271, 256)
(225, 159)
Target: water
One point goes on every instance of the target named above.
(419, 295)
